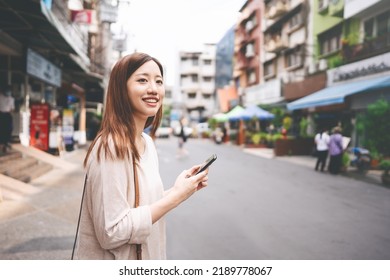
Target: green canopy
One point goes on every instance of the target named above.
(235, 111)
(220, 117)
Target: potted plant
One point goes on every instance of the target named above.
(385, 166)
(375, 160)
(345, 162)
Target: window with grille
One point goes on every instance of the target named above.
(294, 57)
(330, 41)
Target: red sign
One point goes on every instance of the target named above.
(39, 126)
(83, 16)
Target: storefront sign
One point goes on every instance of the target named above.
(83, 16)
(43, 69)
(364, 68)
(39, 126)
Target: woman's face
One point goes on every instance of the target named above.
(146, 90)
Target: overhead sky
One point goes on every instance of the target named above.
(162, 28)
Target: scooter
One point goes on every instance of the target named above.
(362, 160)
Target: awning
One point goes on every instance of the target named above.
(220, 117)
(235, 111)
(252, 111)
(336, 94)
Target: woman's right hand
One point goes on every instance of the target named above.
(187, 183)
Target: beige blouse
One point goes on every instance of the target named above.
(110, 226)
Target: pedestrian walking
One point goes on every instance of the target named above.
(321, 141)
(335, 151)
(124, 202)
(7, 105)
(182, 139)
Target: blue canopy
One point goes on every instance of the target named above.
(252, 111)
(337, 93)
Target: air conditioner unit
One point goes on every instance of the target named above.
(249, 25)
(323, 64)
(312, 68)
(249, 52)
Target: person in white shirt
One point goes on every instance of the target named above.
(7, 105)
(322, 141)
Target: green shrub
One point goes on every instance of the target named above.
(374, 128)
(384, 165)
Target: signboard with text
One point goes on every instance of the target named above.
(39, 126)
(43, 69)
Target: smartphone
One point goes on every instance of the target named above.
(207, 163)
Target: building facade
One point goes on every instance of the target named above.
(352, 40)
(226, 95)
(197, 83)
(248, 40)
(51, 54)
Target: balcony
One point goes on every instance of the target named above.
(241, 61)
(242, 38)
(277, 10)
(197, 102)
(276, 45)
(207, 87)
(369, 48)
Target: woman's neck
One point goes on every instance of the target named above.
(139, 141)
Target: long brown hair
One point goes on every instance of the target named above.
(118, 121)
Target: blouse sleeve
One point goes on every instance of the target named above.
(111, 200)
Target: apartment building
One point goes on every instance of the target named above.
(197, 83)
(248, 40)
(352, 45)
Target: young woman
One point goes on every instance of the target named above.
(110, 225)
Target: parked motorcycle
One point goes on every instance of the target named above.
(362, 159)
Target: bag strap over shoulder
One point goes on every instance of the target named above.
(136, 204)
(78, 223)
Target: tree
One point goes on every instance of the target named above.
(374, 125)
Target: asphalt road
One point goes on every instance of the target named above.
(258, 208)
(253, 208)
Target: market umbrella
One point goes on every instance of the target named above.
(235, 113)
(255, 111)
(220, 117)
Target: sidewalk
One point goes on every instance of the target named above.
(373, 176)
(38, 220)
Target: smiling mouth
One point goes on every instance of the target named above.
(150, 100)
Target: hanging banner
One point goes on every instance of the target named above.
(39, 126)
(82, 16)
